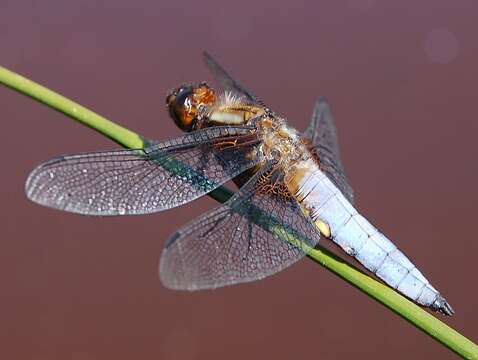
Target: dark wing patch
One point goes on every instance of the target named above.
(130, 182)
(258, 232)
(323, 134)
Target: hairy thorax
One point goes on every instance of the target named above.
(281, 142)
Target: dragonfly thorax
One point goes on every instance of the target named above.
(281, 142)
(231, 109)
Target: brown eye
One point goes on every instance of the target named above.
(181, 108)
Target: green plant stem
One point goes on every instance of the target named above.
(117, 133)
(374, 289)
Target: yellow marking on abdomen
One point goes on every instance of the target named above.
(323, 227)
(293, 178)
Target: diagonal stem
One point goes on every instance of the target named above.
(371, 287)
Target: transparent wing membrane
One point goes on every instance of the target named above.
(258, 232)
(226, 81)
(323, 134)
(131, 182)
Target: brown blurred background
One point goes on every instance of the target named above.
(402, 81)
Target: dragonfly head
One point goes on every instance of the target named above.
(184, 104)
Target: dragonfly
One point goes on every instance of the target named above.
(293, 191)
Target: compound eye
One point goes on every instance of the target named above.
(181, 108)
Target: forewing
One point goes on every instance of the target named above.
(133, 182)
(226, 81)
(258, 232)
(323, 134)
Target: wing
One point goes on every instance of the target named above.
(323, 134)
(258, 232)
(226, 81)
(133, 182)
